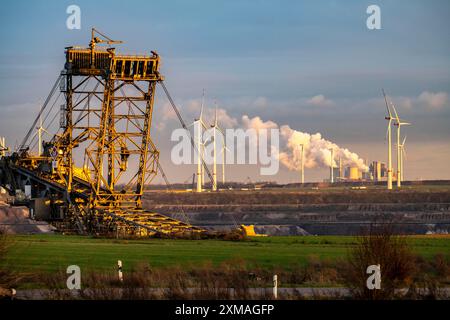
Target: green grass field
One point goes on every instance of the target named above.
(51, 253)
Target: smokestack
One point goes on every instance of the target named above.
(302, 165)
(331, 166)
(340, 168)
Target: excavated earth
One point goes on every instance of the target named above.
(297, 212)
(16, 220)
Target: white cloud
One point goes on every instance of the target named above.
(433, 100)
(404, 102)
(167, 114)
(190, 110)
(427, 99)
(225, 120)
(257, 123)
(320, 101)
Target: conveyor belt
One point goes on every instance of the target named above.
(133, 221)
(148, 223)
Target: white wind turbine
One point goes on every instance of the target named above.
(389, 119)
(200, 146)
(216, 128)
(399, 124)
(402, 157)
(39, 132)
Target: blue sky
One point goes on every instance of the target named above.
(261, 58)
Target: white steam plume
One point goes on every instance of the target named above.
(317, 149)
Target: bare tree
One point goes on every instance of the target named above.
(379, 245)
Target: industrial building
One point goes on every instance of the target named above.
(378, 170)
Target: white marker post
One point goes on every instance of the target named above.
(275, 286)
(119, 270)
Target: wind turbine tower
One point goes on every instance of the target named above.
(399, 124)
(389, 119)
(402, 156)
(40, 130)
(216, 128)
(200, 126)
(214, 184)
(224, 148)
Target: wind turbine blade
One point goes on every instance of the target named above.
(209, 139)
(404, 140)
(396, 114)
(224, 140)
(387, 105)
(203, 125)
(215, 114)
(221, 131)
(404, 152)
(203, 101)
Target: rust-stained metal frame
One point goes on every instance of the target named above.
(114, 125)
